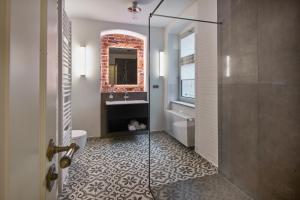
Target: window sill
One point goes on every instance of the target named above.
(184, 104)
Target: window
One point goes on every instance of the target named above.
(187, 67)
(187, 78)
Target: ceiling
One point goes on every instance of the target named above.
(116, 10)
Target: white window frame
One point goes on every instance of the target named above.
(180, 97)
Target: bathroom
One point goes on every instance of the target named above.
(161, 95)
(110, 105)
(149, 99)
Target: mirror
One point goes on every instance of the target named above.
(122, 66)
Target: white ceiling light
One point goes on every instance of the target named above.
(134, 9)
(101, 10)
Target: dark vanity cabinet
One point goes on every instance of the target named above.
(119, 116)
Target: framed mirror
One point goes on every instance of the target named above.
(122, 66)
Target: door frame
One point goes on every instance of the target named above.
(4, 83)
(43, 94)
(48, 92)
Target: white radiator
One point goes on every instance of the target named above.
(181, 126)
(65, 83)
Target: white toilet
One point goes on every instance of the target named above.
(79, 137)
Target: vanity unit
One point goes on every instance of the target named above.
(124, 106)
(121, 113)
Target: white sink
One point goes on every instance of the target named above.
(111, 103)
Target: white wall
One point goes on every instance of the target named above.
(206, 107)
(172, 33)
(207, 83)
(86, 91)
(171, 78)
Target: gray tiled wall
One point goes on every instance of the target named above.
(259, 103)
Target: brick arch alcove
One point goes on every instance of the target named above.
(121, 41)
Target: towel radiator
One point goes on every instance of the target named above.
(65, 83)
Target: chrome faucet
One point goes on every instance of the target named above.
(111, 95)
(126, 95)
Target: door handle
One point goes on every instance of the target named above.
(67, 158)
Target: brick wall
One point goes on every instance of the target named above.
(121, 41)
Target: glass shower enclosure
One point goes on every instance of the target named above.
(174, 162)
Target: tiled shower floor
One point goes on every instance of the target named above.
(117, 169)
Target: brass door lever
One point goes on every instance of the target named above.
(66, 160)
(53, 149)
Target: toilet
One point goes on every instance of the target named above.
(79, 137)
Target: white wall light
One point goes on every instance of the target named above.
(227, 73)
(82, 60)
(162, 57)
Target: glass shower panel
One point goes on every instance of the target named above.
(175, 164)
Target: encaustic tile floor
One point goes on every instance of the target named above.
(117, 169)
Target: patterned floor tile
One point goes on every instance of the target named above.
(117, 168)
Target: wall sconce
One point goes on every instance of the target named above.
(82, 60)
(162, 57)
(227, 73)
